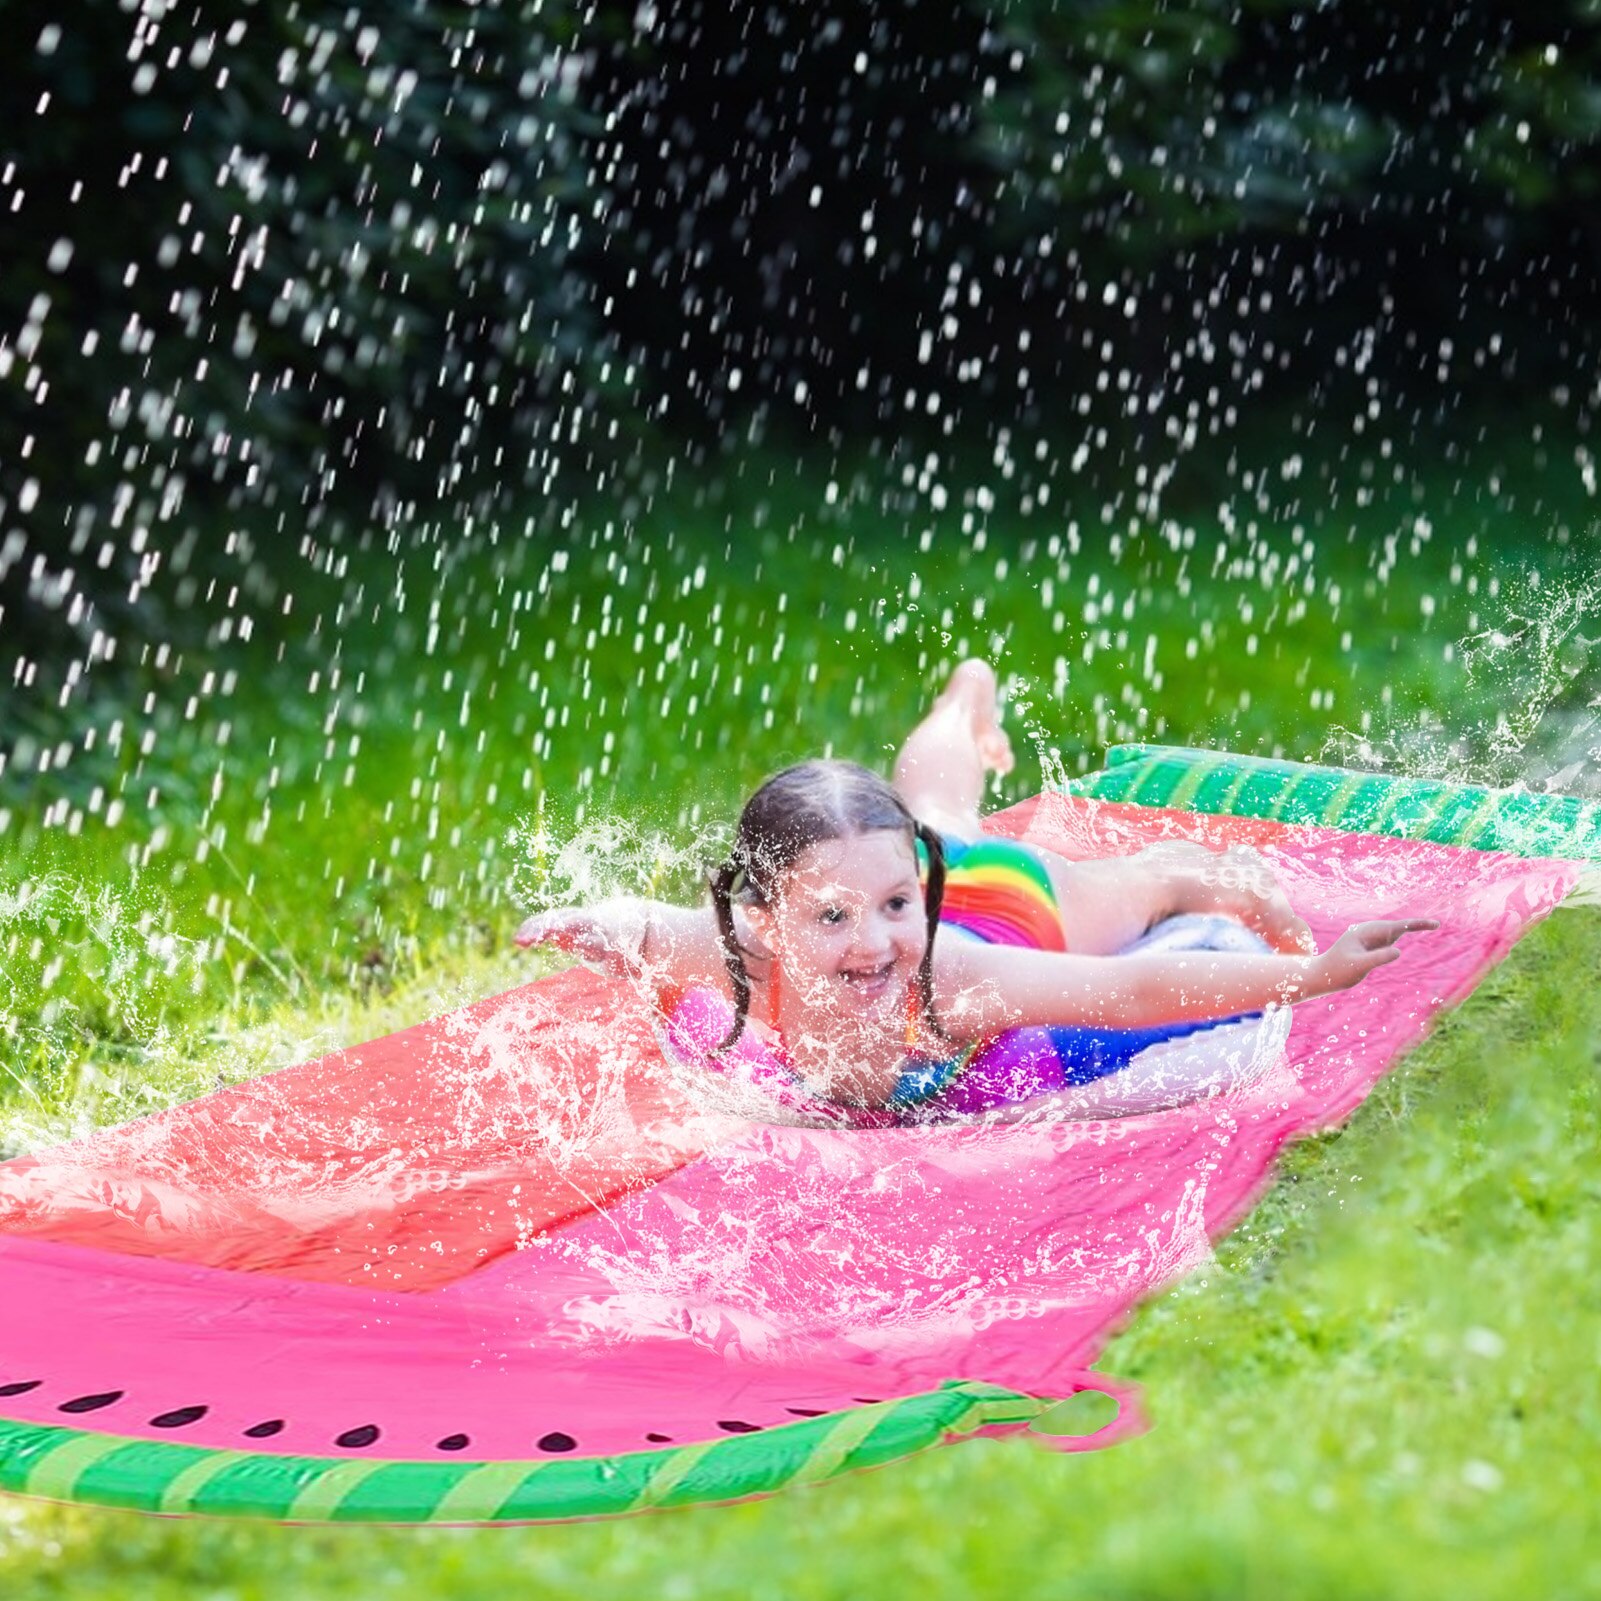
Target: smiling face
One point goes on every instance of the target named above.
(849, 928)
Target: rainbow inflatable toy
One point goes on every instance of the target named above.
(502, 1267)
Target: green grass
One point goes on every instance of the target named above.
(1386, 1385)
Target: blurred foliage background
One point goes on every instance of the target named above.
(279, 279)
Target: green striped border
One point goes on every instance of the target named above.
(1515, 821)
(155, 1476)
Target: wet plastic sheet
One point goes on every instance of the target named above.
(503, 1267)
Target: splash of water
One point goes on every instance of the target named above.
(1527, 714)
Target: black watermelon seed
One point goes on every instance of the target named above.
(90, 1403)
(452, 1442)
(866, 1400)
(734, 1426)
(659, 1439)
(355, 1439)
(260, 1431)
(177, 1419)
(21, 1387)
(557, 1442)
(806, 1411)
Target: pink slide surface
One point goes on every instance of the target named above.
(512, 1224)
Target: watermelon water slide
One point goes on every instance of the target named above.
(502, 1267)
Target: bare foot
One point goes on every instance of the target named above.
(973, 688)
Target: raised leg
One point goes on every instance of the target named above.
(940, 773)
(941, 769)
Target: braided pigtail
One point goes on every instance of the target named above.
(933, 899)
(721, 884)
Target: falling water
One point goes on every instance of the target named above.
(378, 571)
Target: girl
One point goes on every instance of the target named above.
(816, 977)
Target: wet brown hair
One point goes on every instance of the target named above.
(795, 809)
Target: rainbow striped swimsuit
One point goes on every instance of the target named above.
(999, 891)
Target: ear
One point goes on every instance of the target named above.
(761, 923)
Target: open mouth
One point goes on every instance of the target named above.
(870, 980)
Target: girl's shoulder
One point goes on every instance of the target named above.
(687, 955)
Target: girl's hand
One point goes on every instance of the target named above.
(1247, 889)
(612, 935)
(1360, 949)
(1236, 882)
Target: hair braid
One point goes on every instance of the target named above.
(933, 899)
(721, 883)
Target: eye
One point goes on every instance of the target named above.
(831, 914)
(899, 903)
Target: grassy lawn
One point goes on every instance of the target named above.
(1387, 1382)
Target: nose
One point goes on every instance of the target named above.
(873, 939)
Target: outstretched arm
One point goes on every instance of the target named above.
(630, 937)
(986, 989)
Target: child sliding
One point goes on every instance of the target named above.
(816, 975)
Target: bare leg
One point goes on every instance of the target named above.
(1105, 904)
(941, 768)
